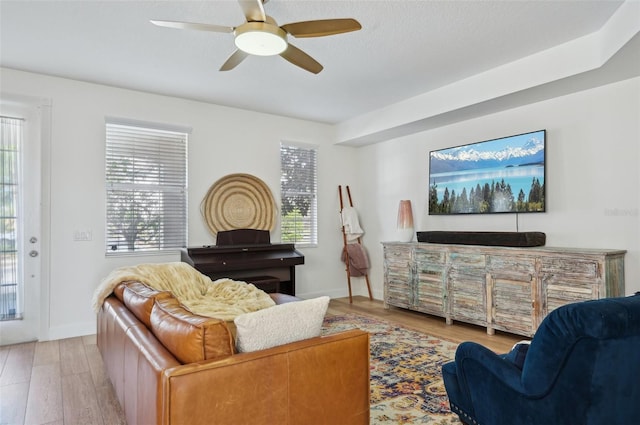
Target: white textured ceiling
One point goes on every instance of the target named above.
(405, 48)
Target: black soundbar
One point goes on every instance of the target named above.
(513, 239)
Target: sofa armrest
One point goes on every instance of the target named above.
(318, 380)
(134, 360)
(476, 375)
(470, 356)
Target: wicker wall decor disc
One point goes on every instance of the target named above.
(239, 201)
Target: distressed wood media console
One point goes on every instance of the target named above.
(500, 288)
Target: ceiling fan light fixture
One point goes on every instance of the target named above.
(260, 38)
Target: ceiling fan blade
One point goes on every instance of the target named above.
(301, 59)
(253, 10)
(234, 60)
(192, 26)
(321, 27)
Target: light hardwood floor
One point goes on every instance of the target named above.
(431, 325)
(64, 382)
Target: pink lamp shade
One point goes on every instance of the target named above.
(405, 221)
(405, 215)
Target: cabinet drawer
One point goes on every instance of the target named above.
(431, 257)
(397, 264)
(463, 261)
(570, 267)
(508, 266)
(397, 253)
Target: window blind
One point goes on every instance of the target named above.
(146, 179)
(298, 188)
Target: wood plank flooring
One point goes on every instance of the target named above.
(64, 382)
(56, 383)
(435, 326)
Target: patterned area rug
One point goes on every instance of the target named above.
(406, 379)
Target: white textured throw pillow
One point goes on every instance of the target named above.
(280, 324)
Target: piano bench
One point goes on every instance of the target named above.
(283, 298)
(266, 283)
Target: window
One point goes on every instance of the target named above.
(11, 132)
(146, 177)
(298, 188)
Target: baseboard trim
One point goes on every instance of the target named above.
(70, 331)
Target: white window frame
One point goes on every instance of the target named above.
(303, 233)
(145, 175)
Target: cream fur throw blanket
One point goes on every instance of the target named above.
(223, 299)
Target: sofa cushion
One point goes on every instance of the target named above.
(139, 299)
(281, 324)
(277, 297)
(117, 291)
(189, 337)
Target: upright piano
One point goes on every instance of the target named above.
(248, 255)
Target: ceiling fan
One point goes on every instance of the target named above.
(261, 35)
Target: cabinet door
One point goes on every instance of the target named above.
(513, 291)
(398, 276)
(566, 280)
(467, 288)
(430, 291)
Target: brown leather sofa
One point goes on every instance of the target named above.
(168, 366)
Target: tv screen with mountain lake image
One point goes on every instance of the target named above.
(505, 175)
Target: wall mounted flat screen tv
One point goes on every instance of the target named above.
(505, 175)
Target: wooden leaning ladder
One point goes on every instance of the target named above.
(346, 253)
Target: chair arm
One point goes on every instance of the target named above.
(471, 355)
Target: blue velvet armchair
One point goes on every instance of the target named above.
(582, 367)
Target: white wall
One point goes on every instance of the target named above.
(223, 141)
(593, 191)
(593, 182)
